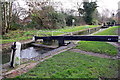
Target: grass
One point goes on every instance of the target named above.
(100, 47)
(110, 31)
(73, 29)
(74, 65)
(19, 35)
(64, 30)
(15, 39)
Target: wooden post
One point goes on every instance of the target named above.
(61, 42)
(47, 41)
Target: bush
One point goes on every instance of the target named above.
(30, 25)
(15, 26)
(57, 19)
(69, 19)
(48, 19)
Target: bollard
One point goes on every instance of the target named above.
(33, 39)
(15, 54)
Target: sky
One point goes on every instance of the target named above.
(111, 5)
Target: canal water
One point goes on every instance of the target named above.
(27, 53)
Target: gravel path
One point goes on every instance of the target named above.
(116, 44)
(99, 31)
(93, 54)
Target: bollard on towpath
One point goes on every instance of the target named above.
(15, 54)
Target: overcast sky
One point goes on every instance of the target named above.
(112, 5)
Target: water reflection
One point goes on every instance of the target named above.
(28, 53)
(32, 52)
(5, 57)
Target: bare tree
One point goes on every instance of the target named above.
(9, 16)
(105, 15)
(18, 12)
(6, 16)
(4, 26)
(0, 18)
(40, 10)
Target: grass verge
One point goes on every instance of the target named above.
(97, 47)
(100, 47)
(19, 35)
(109, 31)
(74, 65)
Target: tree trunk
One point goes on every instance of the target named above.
(0, 19)
(10, 16)
(5, 17)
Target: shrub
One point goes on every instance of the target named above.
(57, 19)
(48, 18)
(15, 26)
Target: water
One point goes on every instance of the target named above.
(5, 57)
(87, 32)
(32, 52)
(28, 53)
